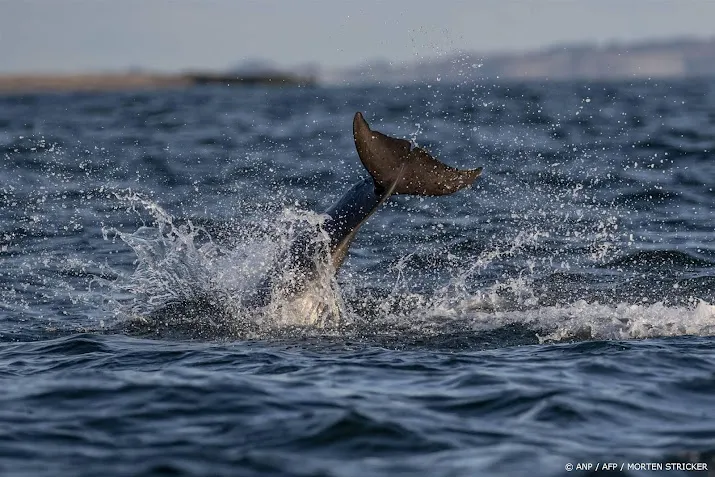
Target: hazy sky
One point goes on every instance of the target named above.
(166, 35)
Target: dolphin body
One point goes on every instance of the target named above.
(394, 168)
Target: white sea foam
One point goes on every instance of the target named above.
(582, 320)
(183, 262)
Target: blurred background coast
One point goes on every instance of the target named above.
(81, 45)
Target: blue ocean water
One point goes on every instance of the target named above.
(561, 311)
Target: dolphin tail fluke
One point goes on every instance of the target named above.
(396, 167)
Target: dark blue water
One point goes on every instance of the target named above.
(560, 311)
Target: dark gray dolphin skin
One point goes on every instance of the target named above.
(395, 168)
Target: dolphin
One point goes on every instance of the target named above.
(394, 167)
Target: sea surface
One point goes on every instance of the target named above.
(560, 312)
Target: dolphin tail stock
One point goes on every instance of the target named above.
(395, 169)
(374, 198)
(400, 169)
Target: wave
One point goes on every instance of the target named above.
(186, 284)
(582, 321)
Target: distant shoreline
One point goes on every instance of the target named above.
(671, 59)
(102, 82)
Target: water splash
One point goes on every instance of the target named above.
(184, 277)
(183, 263)
(521, 299)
